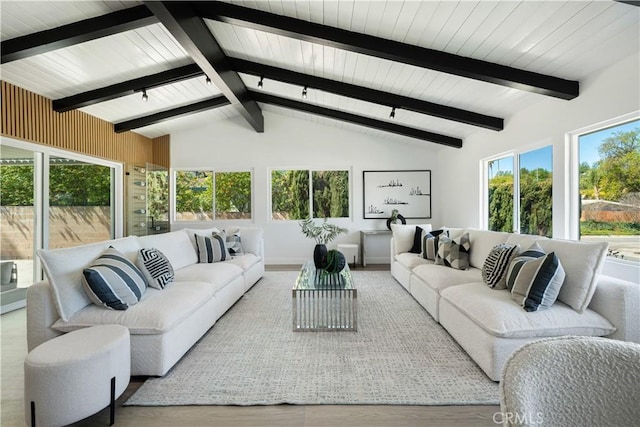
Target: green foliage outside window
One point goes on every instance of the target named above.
(194, 195)
(233, 195)
(290, 194)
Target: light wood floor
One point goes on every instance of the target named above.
(14, 349)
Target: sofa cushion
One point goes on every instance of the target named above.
(212, 248)
(538, 283)
(582, 263)
(430, 243)
(482, 241)
(495, 312)
(438, 277)
(175, 245)
(523, 240)
(191, 232)
(63, 268)
(410, 260)
(112, 281)
(157, 312)
(454, 253)
(245, 261)
(156, 267)
(403, 235)
(495, 267)
(217, 273)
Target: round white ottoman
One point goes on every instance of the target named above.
(76, 375)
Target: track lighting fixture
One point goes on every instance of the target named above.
(393, 113)
(304, 93)
(260, 82)
(208, 81)
(145, 98)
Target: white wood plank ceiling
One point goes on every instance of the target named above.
(565, 39)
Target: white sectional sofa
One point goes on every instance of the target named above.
(165, 323)
(488, 324)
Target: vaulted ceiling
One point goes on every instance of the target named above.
(446, 68)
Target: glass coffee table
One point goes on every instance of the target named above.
(324, 301)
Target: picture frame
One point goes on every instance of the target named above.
(408, 191)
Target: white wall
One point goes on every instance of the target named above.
(611, 93)
(292, 143)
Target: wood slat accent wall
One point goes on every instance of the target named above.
(30, 117)
(162, 151)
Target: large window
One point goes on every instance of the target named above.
(52, 199)
(524, 198)
(204, 195)
(299, 194)
(609, 185)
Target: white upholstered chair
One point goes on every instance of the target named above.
(572, 381)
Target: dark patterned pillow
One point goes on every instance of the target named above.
(454, 253)
(417, 241)
(495, 267)
(213, 249)
(430, 243)
(156, 267)
(113, 281)
(538, 282)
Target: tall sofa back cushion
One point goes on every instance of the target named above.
(523, 240)
(191, 232)
(403, 235)
(482, 241)
(175, 245)
(63, 268)
(582, 263)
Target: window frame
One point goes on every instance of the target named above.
(310, 170)
(484, 179)
(213, 171)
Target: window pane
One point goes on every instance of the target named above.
(233, 195)
(610, 188)
(158, 197)
(536, 192)
(194, 196)
(330, 194)
(289, 194)
(18, 213)
(79, 203)
(501, 194)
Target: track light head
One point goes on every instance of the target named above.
(304, 93)
(393, 113)
(208, 81)
(260, 84)
(145, 98)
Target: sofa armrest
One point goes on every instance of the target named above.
(619, 302)
(41, 314)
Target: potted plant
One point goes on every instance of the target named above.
(322, 233)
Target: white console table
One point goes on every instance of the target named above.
(363, 242)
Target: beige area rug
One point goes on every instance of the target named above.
(398, 356)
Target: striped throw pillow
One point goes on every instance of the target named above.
(113, 281)
(212, 249)
(534, 251)
(538, 283)
(494, 269)
(430, 243)
(156, 267)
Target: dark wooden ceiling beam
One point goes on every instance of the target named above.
(369, 95)
(194, 36)
(388, 49)
(126, 88)
(358, 120)
(208, 104)
(76, 32)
